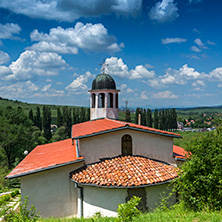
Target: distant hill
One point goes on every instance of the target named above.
(4, 103)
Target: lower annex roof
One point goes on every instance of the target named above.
(124, 171)
(45, 157)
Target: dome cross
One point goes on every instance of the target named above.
(104, 66)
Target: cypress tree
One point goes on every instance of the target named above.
(82, 115)
(149, 118)
(87, 114)
(47, 123)
(38, 118)
(127, 116)
(137, 114)
(59, 117)
(174, 118)
(31, 115)
(156, 119)
(143, 117)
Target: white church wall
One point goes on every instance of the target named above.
(103, 200)
(156, 193)
(51, 191)
(109, 145)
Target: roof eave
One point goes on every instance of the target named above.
(121, 187)
(126, 127)
(44, 169)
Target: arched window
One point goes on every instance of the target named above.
(110, 100)
(127, 145)
(117, 102)
(101, 100)
(93, 100)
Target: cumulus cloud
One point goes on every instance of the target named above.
(216, 73)
(4, 57)
(125, 89)
(163, 11)
(87, 37)
(195, 49)
(164, 95)
(172, 40)
(79, 84)
(68, 10)
(31, 64)
(8, 30)
(117, 67)
(18, 90)
(200, 43)
(173, 76)
(143, 95)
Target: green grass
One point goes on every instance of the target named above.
(188, 136)
(174, 215)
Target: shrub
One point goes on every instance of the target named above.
(127, 211)
(24, 214)
(200, 183)
(14, 193)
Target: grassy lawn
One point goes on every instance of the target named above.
(187, 137)
(175, 215)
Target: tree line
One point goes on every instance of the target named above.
(66, 117)
(164, 119)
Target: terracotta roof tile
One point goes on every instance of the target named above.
(125, 171)
(179, 152)
(46, 156)
(102, 125)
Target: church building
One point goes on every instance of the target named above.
(103, 164)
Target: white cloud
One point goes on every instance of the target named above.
(211, 43)
(164, 11)
(164, 95)
(46, 88)
(195, 49)
(32, 64)
(79, 84)
(200, 43)
(4, 57)
(172, 40)
(68, 10)
(117, 67)
(216, 73)
(18, 90)
(141, 72)
(125, 89)
(143, 95)
(8, 30)
(198, 82)
(87, 37)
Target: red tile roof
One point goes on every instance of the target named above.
(125, 171)
(95, 127)
(46, 157)
(179, 152)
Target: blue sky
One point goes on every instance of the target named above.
(161, 53)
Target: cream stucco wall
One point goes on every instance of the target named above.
(106, 200)
(155, 194)
(103, 200)
(51, 191)
(109, 145)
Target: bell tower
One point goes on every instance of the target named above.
(104, 97)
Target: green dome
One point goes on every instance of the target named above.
(103, 81)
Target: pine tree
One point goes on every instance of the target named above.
(31, 115)
(149, 118)
(156, 119)
(127, 116)
(47, 123)
(143, 117)
(59, 117)
(38, 118)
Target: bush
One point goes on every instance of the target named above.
(14, 193)
(200, 183)
(24, 214)
(127, 211)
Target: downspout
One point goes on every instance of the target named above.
(80, 203)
